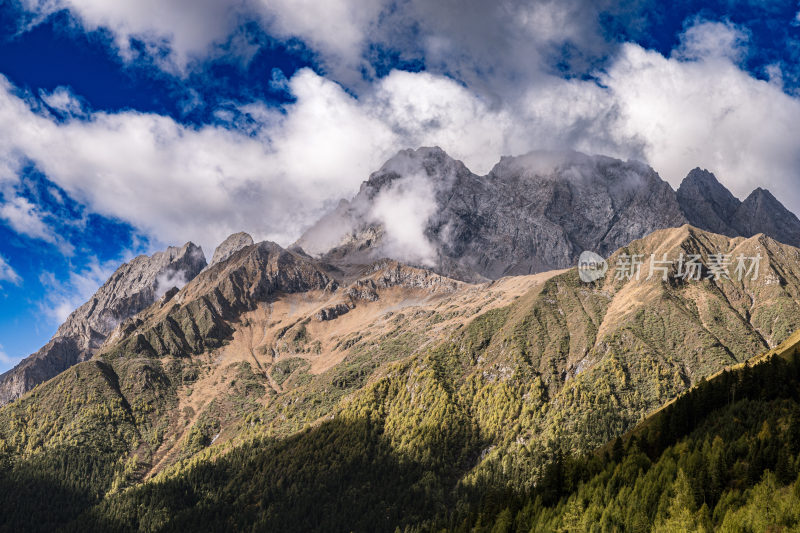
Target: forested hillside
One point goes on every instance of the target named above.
(265, 395)
(725, 456)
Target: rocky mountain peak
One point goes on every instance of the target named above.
(529, 214)
(132, 288)
(761, 212)
(200, 315)
(230, 246)
(706, 203)
(428, 162)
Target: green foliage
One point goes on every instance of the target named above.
(282, 370)
(491, 431)
(704, 463)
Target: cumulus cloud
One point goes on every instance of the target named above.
(707, 39)
(338, 29)
(282, 168)
(172, 33)
(176, 182)
(708, 113)
(7, 273)
(403, 210)
(505, 40)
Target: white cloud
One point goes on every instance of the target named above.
(173, 32)
(168, 280)
(505, 40)
(7, 273)
(403, 209)
(6, 360)
(338, 29)
(63, 296)
(24, 218)
(273, 178)
(711, 114)
(706, 40)
(61, 99)
(177, 183)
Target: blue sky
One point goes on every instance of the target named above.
(129, 126)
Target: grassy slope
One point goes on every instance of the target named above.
(563, 369)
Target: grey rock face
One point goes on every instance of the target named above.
(707, 204)
(761, 212)
(132, 288)
(529, 214)
(230, 246)
(202, 314)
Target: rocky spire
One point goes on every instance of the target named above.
(707, 204)
(761, 212)
(230, 246)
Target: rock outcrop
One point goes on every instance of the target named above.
(530, 214)
(707, 204)
(230, 246)
(761, 212)
(132, 288)
(201, 316)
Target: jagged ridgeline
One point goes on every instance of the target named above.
(530, 214)
(131, 289)
(278, 392)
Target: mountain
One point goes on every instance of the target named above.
(230, 246)
(761, 212)
(282, 375)
(131, 289)
(706, 203)
(279, 389)
(529, 214)
(723, 457)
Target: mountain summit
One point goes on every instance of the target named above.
(707, 204)
(230, 246)
(530, 214)
(761, 212)
(131, 289)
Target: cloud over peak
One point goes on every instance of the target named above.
(489, 90)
